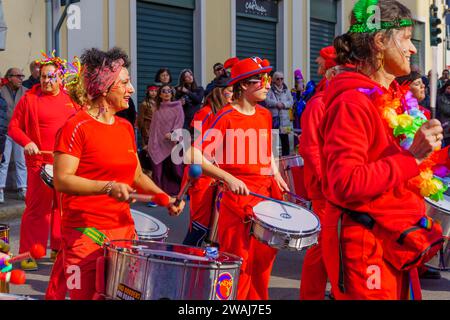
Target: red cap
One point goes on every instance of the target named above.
(329, 54)
(246, 68)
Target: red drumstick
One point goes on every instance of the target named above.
(47, 152)
(37, 251)
(14, 277)
(161, 199)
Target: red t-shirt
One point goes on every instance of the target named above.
(53, 112)
(240, 144)
(106, 153)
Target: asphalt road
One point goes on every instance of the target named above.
(285, 279)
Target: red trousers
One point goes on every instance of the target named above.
(367, 276)
(234, 237)
(314, 275)
(42, 214)
(79, 258)
(57, 287)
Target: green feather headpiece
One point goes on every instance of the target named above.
(363, 15)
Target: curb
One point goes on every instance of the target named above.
(11, 211)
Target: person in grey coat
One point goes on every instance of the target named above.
(279, 101)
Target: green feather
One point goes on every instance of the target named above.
(360, 10)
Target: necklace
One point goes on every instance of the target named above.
(401, 112)
(97, 117)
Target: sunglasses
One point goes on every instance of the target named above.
(279, 79)
(21, 76)
(166, 91)
(263, 81)
(218, 69)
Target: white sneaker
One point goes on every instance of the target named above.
(2, 196)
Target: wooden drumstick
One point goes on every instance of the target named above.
(274, 200)
(47, 152)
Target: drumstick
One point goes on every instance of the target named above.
(37, 251)
(306, 202)
(195, 171)
(161, 199)
(47, 152)
(274, 200)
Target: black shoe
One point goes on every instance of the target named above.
(430, 274)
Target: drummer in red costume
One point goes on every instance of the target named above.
(203, 190)
(375, 231)
(240, 143)
(36, 119)
(96, 169)
(314, 275)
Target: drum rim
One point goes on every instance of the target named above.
(433, 204)
(300, 234)
(107, 245)
(2, 227)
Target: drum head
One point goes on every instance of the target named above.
(148, 226)
(443, 204)
(295, 220)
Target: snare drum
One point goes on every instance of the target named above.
(291, 170)
(149, 270)
(149, 228)
(47, 175)
(4, 296)
(440, 212)
(285, 227)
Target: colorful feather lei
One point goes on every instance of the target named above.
(403, 115)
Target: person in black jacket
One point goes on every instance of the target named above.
(35, 76)
(129, 114)
(191, 96)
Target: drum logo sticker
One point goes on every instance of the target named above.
(285, 215)
(127, 293)
(224, 286)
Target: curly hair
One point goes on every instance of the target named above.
(94, 58)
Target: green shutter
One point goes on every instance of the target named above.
(418, 40)
(256, 37)
(322, 35)
(164, 39)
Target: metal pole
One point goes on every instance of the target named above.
(58, 29)
(49, 26)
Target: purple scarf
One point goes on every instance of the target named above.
(169, 117)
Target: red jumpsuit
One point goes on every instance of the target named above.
(241, 145)
(314, 275)
(106, 153)
(364, 170)
(37, 118)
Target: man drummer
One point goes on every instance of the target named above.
(36, 119)
(314, 275)
(242, 172)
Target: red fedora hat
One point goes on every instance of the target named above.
(246, 68)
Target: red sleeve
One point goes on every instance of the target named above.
(309, 139)
(213, 139)
(16, 128)
(348, 131)
(70, 139)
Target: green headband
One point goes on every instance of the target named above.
(363, 15)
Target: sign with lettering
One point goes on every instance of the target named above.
(260, 8)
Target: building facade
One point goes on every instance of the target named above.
(195, 34)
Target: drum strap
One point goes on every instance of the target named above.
(341, 282)
(94, 234)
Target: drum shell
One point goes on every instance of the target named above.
(4, 235)
(4, 296)
(441, 216)
(158, 279)
(46, 178)
(279, 239)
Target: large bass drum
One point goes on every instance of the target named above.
(150, 270)
(440, 212)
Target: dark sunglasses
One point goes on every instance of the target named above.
(21, 76)
(166, 91)
(218, 69)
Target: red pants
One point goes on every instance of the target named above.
(80, 255)
(57, 287)
(367, 275)
(314, 274)
(234, 237)
(41, 215)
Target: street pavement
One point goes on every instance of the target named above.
(284, 282)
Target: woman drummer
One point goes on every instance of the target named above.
(374, 169)
(242, 173)
(96, 169)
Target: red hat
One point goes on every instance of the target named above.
(246, 68)
(329, 54)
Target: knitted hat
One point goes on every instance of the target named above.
(246, 68)
(298, 76)
(329, 54)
